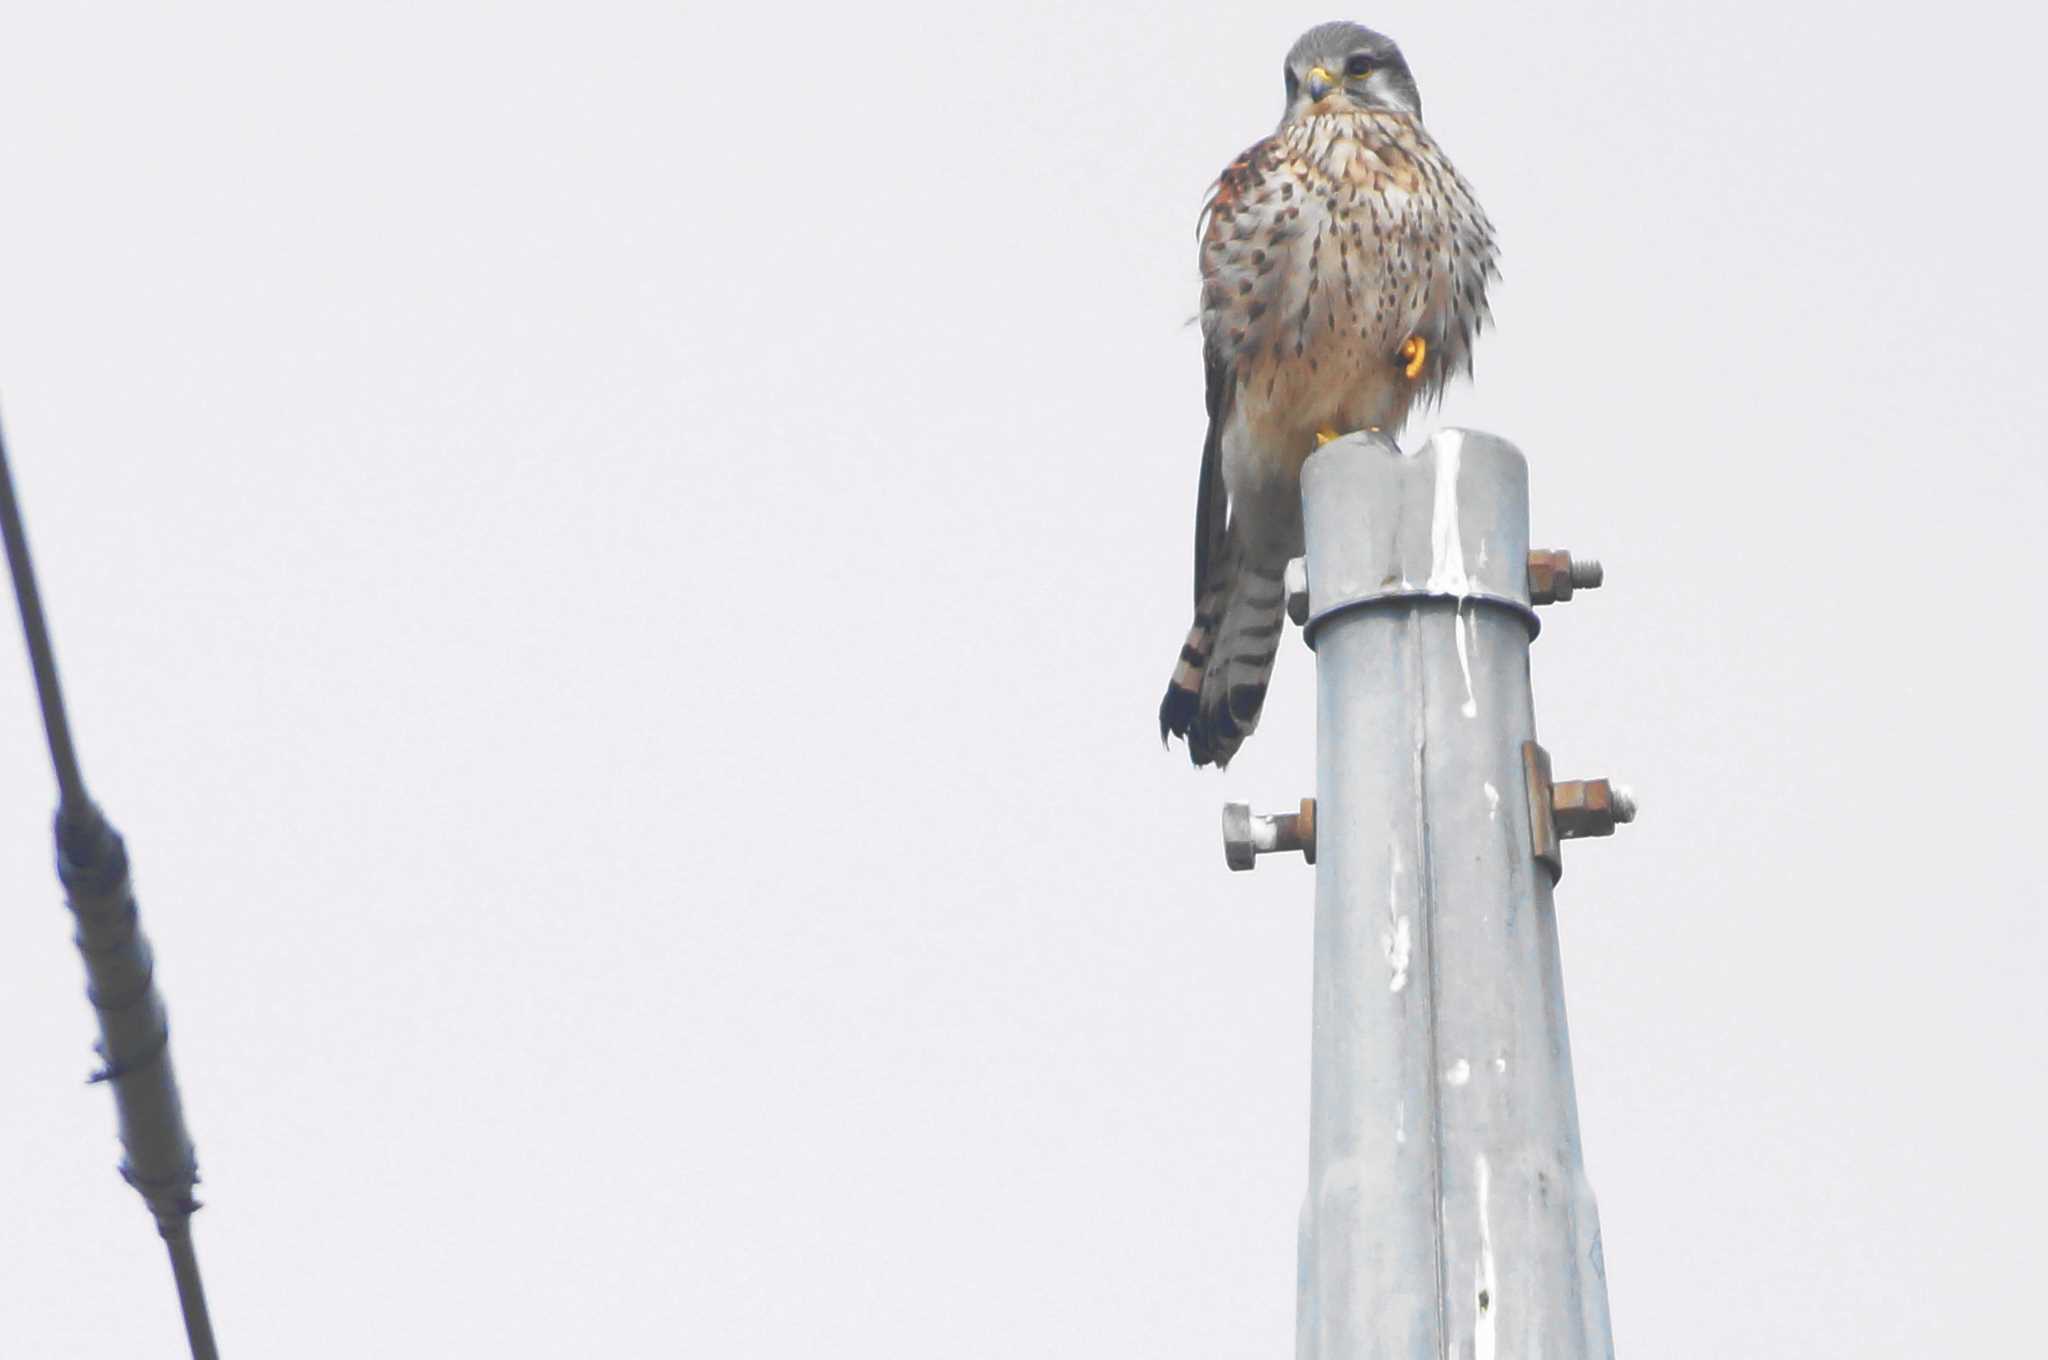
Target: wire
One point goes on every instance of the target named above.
(191, 1294)
(84, 841)
(70, 783)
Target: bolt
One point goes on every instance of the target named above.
(1295, 582)
(1248, 834)
(1553, 575)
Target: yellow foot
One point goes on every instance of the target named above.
(1414, 349)
(1327, 434)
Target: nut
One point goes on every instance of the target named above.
(1588, 807)
(1238, 851)
(1554, 575)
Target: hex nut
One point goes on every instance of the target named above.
(1550, 575)
(1554, 575)
(1238, 852)
(1585, 807)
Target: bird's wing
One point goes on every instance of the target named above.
(1219, 366)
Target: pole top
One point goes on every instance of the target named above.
(1471, 488)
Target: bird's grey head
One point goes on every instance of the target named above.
(1342, 66)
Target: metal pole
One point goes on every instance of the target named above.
(1447, 1210)
(119, 968)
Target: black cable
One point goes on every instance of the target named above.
(72, 799)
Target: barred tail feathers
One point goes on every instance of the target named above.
(1219, 684)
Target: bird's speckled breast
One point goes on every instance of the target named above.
(1325, 247)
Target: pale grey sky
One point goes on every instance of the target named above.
(615, 571)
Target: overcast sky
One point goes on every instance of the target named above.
(616, 572)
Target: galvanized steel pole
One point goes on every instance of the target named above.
(119, 968)
(1447, 1213)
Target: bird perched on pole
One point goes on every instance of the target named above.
(1344, 274)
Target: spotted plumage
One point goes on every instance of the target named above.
(1344, 273)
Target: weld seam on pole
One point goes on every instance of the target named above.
(1426, 899)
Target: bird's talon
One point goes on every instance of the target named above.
(1415, 350)
(1328, 434)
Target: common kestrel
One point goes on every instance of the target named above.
(1344, 273)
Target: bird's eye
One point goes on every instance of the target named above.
(1358, 66)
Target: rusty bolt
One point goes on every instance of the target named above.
(1554, 575)
(1589, 807)
(1247, 835)
(1295, 583)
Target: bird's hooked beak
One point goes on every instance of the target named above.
(1320, 83)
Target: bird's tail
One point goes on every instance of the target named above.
(1219, 685)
